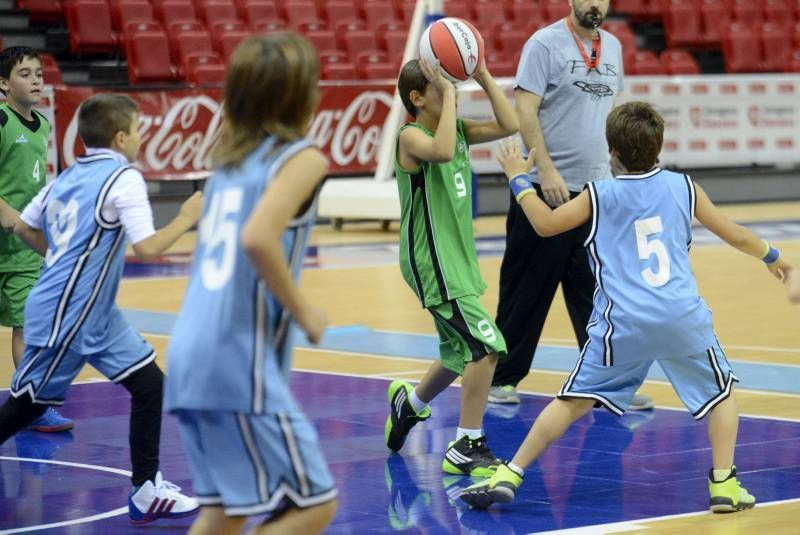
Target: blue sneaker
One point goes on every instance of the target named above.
(51, 422)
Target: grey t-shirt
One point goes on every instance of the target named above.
(575, 104)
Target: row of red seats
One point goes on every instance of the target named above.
(486, 13)
(768, 48)
(741, 10)
(701, 23)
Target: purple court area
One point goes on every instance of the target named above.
(605, 469)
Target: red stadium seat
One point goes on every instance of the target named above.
(254, 11)
(740, 50)
(190, 41)
(170, 11)
(297, 11)
(359, 40)
(51, 71)
(777, 12)
(339, 71)
(715, 16)
(553, 10)
(509, 42)
(89, 25)
(405, 10)
(212, 11)
(499, 64)
(796, 34)
(46, 11)
(457, 8)
(679, 62)
(227, 42)
(645, 62)
(380, 71)
(682, 23)
(747, 12)
(322, 39)
(124, 12)
(524, 12)
(635, 9)
(332, 56)
(775, 46)
(393, 42)
(622, 31)
(488, 13)
(148, 58)
(203, 68)
(376, 13)
(338, 10)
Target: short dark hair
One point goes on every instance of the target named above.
(11, 56)
(411, 79)
(102, 116)
(636, 131)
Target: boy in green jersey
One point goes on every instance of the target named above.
(438, 258)
(23, 171)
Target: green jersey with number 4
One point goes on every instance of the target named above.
(23, 172)
(437, 245)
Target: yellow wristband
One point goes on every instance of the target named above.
(524, 192)
(766, 249)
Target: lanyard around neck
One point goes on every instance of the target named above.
(591, 61)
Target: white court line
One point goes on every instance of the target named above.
(634, 525)
(83, 520)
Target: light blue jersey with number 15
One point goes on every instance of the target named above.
(231, 346)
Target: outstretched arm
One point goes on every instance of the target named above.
(506, 121)
(736, 235)
(546, 222)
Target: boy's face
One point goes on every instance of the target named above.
(24, 84)
(128, 143)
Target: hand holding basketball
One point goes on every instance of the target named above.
(510, 157)
(435, 76)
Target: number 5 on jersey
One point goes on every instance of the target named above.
(219, 228)
(649, 247)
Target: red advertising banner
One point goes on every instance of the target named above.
(179, 128)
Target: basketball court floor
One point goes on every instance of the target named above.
(642, 472)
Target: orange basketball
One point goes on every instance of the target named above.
(455, 44)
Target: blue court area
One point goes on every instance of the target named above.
(600, 472)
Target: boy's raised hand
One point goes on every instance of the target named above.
(482, 75)
(510, 157)
(434, 75)
(193, 207)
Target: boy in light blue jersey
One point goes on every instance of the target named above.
(250, 448)
(79, 223)
(646, 304)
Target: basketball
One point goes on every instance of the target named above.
(456, 45)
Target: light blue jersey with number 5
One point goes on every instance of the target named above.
(231, 346)
(646, 304)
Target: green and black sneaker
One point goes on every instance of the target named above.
(501, 487)
(402, 416)
(729, 495)
(469, 457)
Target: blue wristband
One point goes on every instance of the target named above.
(520, 186)
(771, 256)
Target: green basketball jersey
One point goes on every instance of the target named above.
(437, 246)
(23, 172)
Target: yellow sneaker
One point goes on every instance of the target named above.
(729, 496)
(500, 488)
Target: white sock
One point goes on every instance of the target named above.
(721, 475)
(471, 433)
(417, 404)
(516, 469)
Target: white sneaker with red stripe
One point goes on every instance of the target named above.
(159, 499)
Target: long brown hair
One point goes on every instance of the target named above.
(270, 89)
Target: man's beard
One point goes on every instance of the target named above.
(590, 20)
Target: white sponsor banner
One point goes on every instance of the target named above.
(711, 121)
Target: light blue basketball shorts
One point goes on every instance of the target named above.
(702, 381)
(254, 464)
(46, 373)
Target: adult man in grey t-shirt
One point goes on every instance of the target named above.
(567, 79)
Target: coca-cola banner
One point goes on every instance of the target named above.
(179, 127)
